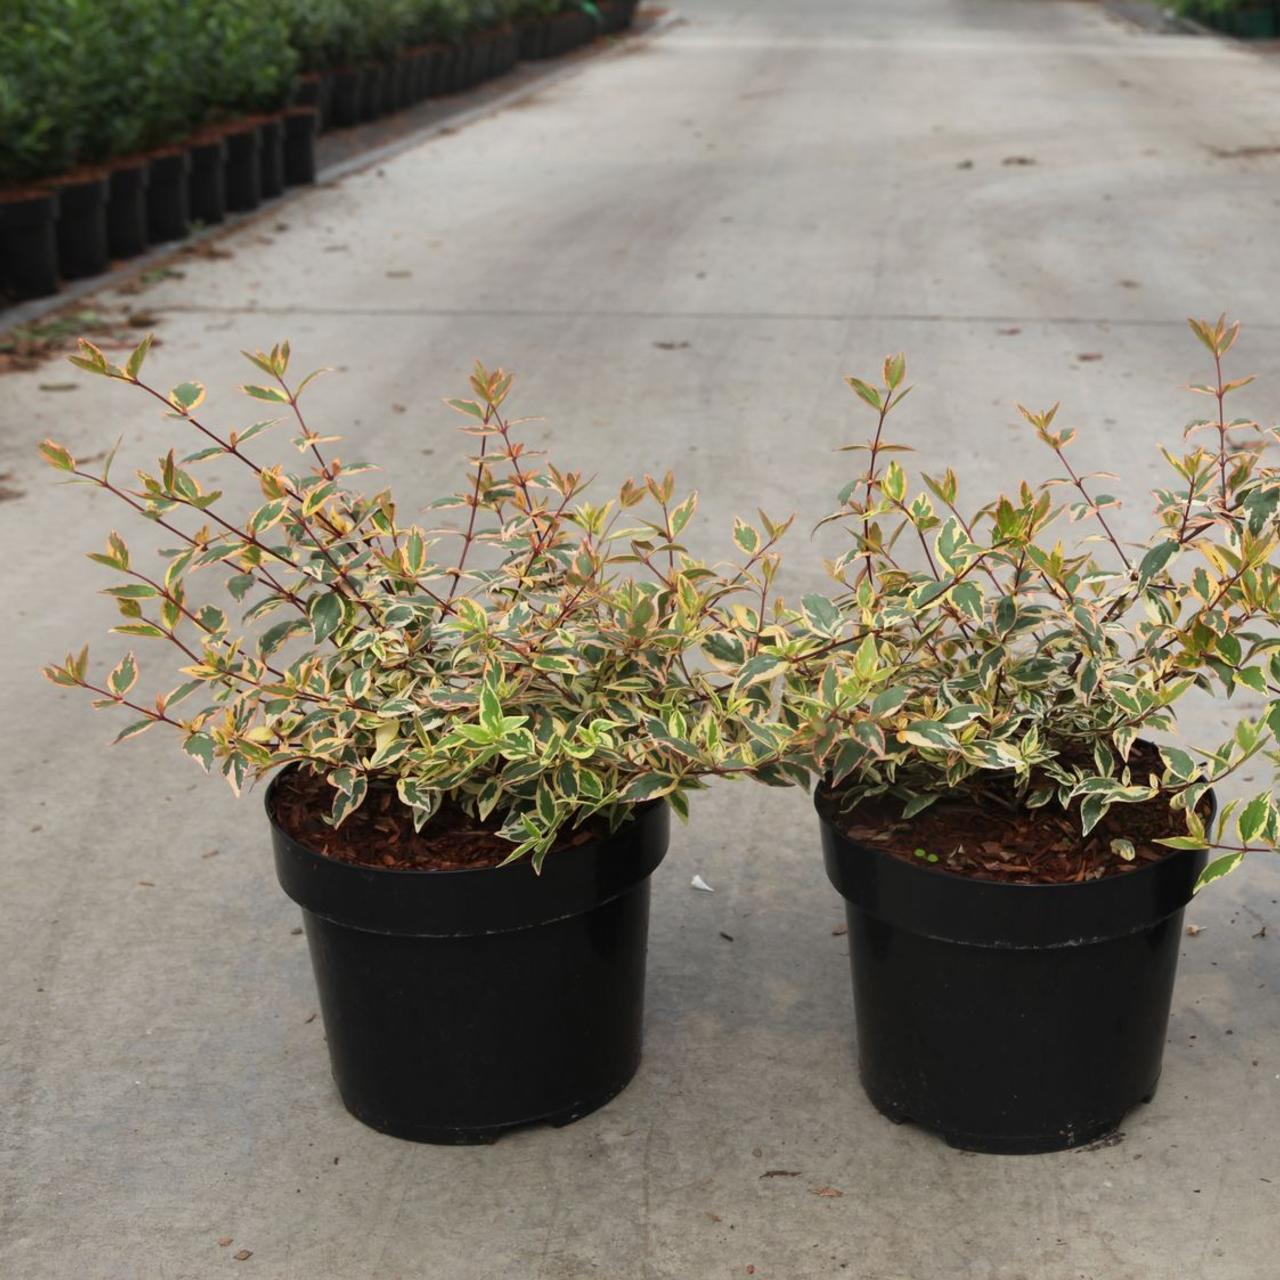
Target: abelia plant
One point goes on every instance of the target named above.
(988, 653)
(537, 660)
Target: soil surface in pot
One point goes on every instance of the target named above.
(983, 836)
(380, 833)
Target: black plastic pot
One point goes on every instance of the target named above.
(345, 98)
(461, 1004)
(437, 60)
(271, 157)
(127, 210)
(531, 37)
(299, 146)
(478, 60)
(168, 196)
(82, 228)
(416, 70)
(207, 181)
(434, 65)
(373, 91)
(244, 169)
(29, 244)
(1009, 1018)
(610, 16)
(310, 91)
(401, 75)
(510, 47)
(565, 33)
(462, 67)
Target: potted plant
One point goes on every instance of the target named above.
(477, 733)
(533, 22)
(989, 711)
(317, 31)
(40, 131)
(249, 73)
(1248, 19)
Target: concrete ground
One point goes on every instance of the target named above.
(680, 250)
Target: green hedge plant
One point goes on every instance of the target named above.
(41, 125)
(247, 63)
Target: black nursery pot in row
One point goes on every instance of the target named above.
(82, 227)
(75, 227)
(248, 162)
(127, 209)
(29, 243)
(168, 195)
(351, 95)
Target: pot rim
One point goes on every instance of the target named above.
(466, 902)
(591, 846)
(823, 791)
(991, 913)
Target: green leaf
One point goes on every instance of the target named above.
(267, 515)
(849, 756)
(468, 407)
(927, 733)
(1229, 649)
(1253, 817)
(134, 365)
(746, 537)
(918, 804)
(647, 787)
(1252, 678)
(682, 514)
(928, 593)
(1179, 763)
(273, 637)
(1092, 810)
(725, 648)
(56, 455)
(822, 614)
(272, 394)
(345, 803)
(186, 396)
(889, 700)
(867, 659)
(124, 676)
(325, 612)
(1218, 868)
(133, 730)
(491, 709)
(865, 391)
(967, 597)
(1155, 560)
(764, 666)
(200, 746)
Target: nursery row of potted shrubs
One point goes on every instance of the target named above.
(1248, 19)
(478, 731)
(109, 144)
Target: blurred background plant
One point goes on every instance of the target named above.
(86, 81)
